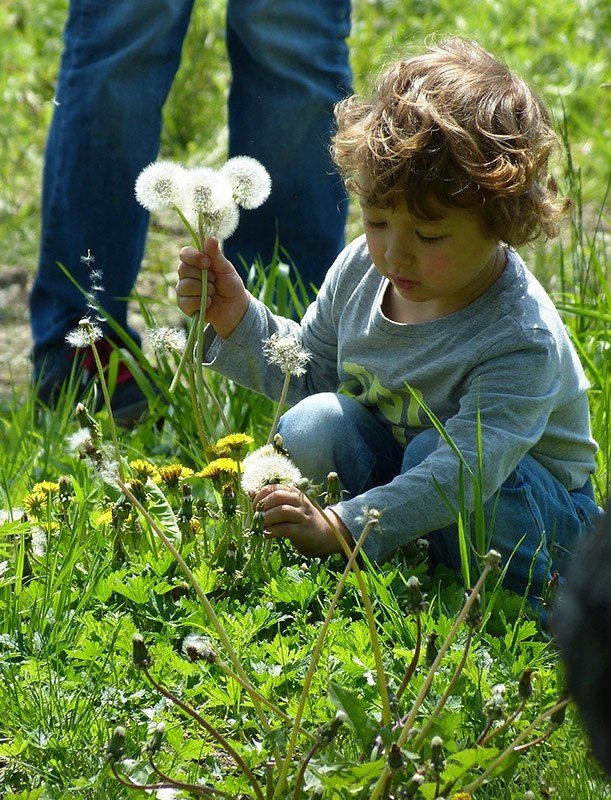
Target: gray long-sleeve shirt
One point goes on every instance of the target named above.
(506, 356)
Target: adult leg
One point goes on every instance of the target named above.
(117, 67)
(290, 65)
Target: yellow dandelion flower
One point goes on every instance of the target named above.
(143, 469)
(233, 443)
(195, 525)
(35, 503)
(103, 518)
(462, 796)
(49, 527)
(48, 487)
(221, 469)
(173, 473)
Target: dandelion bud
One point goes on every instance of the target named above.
(154, 746)
(493, 559)
(229, 500)
(557, 718)
(395, 757)
(137, 488)
(279, 445)
(334, 490)
(258, 523)
(529, 795)
(326, 733)
(413, 784)
(196, 648)
(66, 488)
(431, 648)
(114, 749)
(494, 707)
(525, 687)
(185, 512)
(140, 654)
(416, 600)
(437, 758)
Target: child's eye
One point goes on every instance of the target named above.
(428, 239)
(371, 223)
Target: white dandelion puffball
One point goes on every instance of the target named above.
(85, 335)
(250, 181)
(286, 353)
(164, 338)
(160, 185)
(209, 194)
(265, 466)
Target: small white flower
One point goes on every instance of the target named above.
(286, 353)
(265, 466)
(250, 181)
(167, 339)
(85, 335)
(209, 194)
(160, 185)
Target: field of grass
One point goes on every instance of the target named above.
(310, 660)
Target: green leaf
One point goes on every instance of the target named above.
(161, 510)
(355, 709)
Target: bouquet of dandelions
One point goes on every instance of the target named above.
(207, 201)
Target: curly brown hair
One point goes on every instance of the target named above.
(456, 126)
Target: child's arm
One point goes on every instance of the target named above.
(288, 513)
(227, 298)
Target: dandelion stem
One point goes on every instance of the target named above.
(197, 413)
(111, 419)
(280, 406)
(424, 689)
(209, 729)
(187, 353)
(512, 747)
(415, 658)
(282, 778)
(212, 615)
(442, 701)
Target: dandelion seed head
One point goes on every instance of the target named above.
(286, 353)
(81, 440)
(86, 334)
(265, 466)
(160, 185)
(250, 181)
(209, 195)
(164, 338)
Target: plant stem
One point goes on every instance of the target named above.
(415, 658)
(282, 778)
(111, 420)
(508, 750)
(424, 689)
(280, 406)
(212, 616)
(209, 729)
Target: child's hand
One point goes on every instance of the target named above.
(288, 512)
(227, 299)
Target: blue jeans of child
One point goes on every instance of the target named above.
(328, 432)
(289, 62)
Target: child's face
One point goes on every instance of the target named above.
(434, 267)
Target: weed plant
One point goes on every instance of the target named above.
(149, 634)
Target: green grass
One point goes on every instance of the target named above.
(75, 587)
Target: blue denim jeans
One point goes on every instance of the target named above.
(328, 432)
(289, 62)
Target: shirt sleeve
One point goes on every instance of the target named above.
(509, 399)
(240, 357)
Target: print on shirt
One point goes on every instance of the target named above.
(400, 408)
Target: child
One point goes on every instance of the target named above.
(449, 160)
